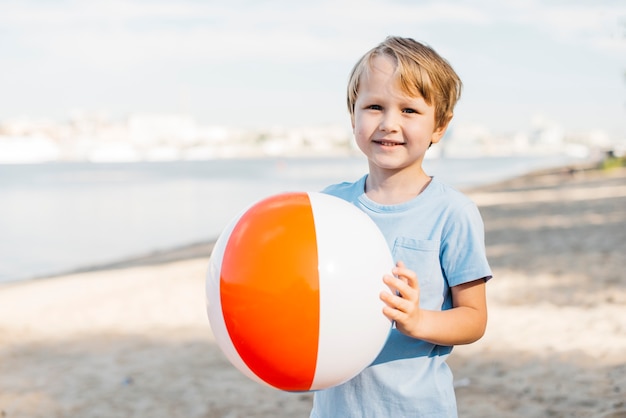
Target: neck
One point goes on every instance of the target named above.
(389, 190)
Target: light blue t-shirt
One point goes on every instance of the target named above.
(440, 235)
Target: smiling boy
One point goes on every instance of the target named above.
(401, 97)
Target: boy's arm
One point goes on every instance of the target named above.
(463, 324)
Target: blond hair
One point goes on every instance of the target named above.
(421, 71)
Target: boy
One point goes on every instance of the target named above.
(401, 97)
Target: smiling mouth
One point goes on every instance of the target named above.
(389, 143)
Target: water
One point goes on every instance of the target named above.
(59, 217)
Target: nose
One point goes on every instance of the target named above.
(388, 122)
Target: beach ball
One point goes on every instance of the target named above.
(293, 288)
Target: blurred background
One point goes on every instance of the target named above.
(138, 80)
(133, 126)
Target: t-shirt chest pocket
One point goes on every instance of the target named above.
(422, 256)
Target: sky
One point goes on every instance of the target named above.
(266, 63)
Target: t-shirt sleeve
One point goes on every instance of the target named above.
(463, 256)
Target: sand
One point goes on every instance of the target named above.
(133, 340)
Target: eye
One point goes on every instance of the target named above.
(375, 107)
(409, 110)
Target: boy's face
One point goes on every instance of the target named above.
(392, 129)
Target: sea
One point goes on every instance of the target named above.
(61, 217)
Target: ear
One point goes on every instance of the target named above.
(440, 131)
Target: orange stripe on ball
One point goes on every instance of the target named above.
(269, 289)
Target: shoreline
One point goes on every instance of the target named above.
(202, 249)
(197, 250)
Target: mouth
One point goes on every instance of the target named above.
(388, 143)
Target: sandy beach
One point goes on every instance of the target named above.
(133, 340)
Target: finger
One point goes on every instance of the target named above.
(392, 314)
(406, 274)
(394, 284)
(400, 267)
(393, 302)
(398, 286)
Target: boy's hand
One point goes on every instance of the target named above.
(403, 303)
